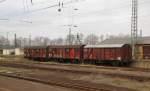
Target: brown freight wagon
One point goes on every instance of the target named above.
(26, 52)
(35, 52)
(65, 53)
(108, 53)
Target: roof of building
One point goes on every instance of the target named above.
(105, 46)
(6, 47)
(142, 40)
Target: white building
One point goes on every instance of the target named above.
(8, 50)
(19, 51)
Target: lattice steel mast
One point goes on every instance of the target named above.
(134, 27)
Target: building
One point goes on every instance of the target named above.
(10, 50)
(19, 51)
(7, 50)
(142, 46)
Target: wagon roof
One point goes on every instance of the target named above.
(105, 46)
(65, 46)
(36, 47)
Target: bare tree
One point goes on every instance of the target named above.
(79, 39)
(4, 41)
(118, 36)
(70, 39)
(46, 41)
(59, 41)
(40, 41)
(101, 38)
(91, 39)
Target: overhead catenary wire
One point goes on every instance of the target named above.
(114, 8)
(39, 2)
(1, 1)
(60, 5)
(54, 5)
(69, 2)
(26, 4)
(25, 9)
(32, 2)
(99, 12)
(4, 19)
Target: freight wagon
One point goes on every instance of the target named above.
(65, 53)
(116, 54)
(35, 52)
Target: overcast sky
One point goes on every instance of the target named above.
(93, 16)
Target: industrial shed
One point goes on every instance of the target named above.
(142, 46)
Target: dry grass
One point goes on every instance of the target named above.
(141, 86)
(12, 70)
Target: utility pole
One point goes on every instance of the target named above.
(141, 34)
(134, 27)
(70, 36)
(7, 39)
(29, 40)
(78, 39)
(15, 41)
(71, 26)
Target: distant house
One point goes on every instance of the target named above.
(7, 50)
(10, 50)
(142, 46)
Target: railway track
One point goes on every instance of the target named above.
(78, 85)
(85, 66)
(123, 75)
(106, 67)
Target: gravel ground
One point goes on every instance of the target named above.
(11, 84)
(141, 86)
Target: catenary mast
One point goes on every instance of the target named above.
(134, 27)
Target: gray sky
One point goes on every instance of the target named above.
(94, 16)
